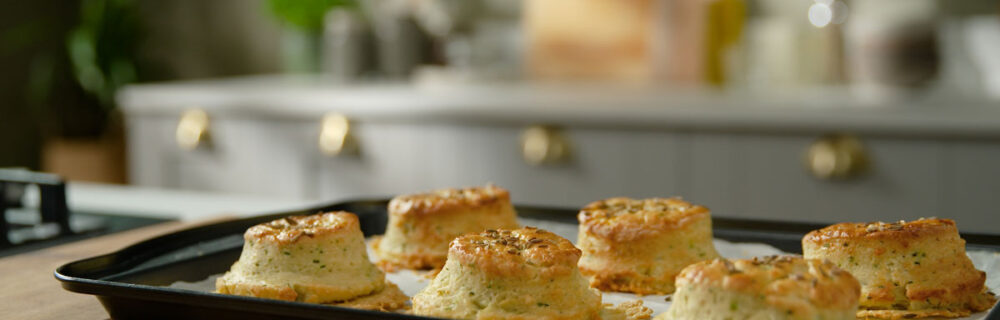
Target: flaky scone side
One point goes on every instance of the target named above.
(639, 246)
(317, 259)
(524, 273)
(910, 269)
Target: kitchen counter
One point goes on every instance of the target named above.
(653, 106)
(184, 205)
(28, 290)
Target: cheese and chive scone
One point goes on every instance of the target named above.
(639, 246)
(907, 269)
(771, 288)
(421, 225)
(318, 258)
(525, 273)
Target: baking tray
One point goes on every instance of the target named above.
(131, 283)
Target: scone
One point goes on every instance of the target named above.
(318, 259)
(421, 225)
(511, 274)
(639, 246)
(907, 269)
(773, 288)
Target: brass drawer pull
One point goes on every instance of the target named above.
(544, 145)
(837, 157)
(193, 129)
(335, 136)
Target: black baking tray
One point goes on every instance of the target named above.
(131, 283)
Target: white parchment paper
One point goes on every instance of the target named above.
(412, 282)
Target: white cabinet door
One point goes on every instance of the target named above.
(971, 185)
(404, 158)
(391, 160)
(764, 176)
(903, 183)
(605, 163)
(149, 148)
(242, 156)
(750, 175)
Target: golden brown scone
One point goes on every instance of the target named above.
(318, 259)
(421, 225)
(775, 287)
(639, 246)
(511, 274)
(907, 269)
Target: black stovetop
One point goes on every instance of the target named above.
(31, 226)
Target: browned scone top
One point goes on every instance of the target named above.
(900, 230)
(907, 269)
(625, 219)
(786, 282)
(509, 252)
(291, 229)
(445, 200)
(524, 273)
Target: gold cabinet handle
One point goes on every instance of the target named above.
(192, 129)
(837, 157)
(542, 145)
(335, 136)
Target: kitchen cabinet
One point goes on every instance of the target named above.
(400, 158)
(742, 156)
(243, 156)
(970, 180)
(765, 176)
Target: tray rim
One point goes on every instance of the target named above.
(139, 251)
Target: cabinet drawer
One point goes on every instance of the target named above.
(605, 163)
(971, 184)
(400, 158)
(241, 156)
(764, 176)
(749, 175)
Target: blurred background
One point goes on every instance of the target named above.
(806, 110)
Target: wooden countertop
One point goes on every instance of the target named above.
(29, 291)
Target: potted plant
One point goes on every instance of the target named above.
(85, 136)
(303, 20)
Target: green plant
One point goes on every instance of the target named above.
(102, 47)
(306, 15)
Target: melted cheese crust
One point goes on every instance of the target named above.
(444, 200)
(291, 229)
(623, 219)
(508, 253)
